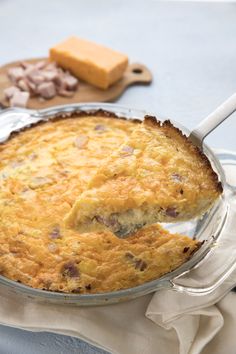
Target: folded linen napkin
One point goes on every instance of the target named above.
(166, 322)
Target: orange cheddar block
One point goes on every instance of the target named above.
(93, 63)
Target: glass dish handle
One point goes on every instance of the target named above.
(228, 160)
(205, 290)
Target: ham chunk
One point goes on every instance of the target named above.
(36, 77)
(10, 91)
(50, 75)
(15, 74)
(23, 85)
(19, 99)
(47, 90)
(71, 82)
(42, 79)
(31, 86)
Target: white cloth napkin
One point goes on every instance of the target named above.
(167, 322)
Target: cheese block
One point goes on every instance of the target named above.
(93, 63)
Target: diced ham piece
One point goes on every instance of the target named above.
(81, 141)
(30, 70)
(59, 81)
(15, 74)
(67, 82)
(32, 86)
(47, 90)
(50, 75)
(23, 85)
(36, 78)
(19, 99)
(10, 91)
(71, 82)
(172, 212)
(41, 79)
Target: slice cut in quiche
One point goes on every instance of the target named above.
(157, 175)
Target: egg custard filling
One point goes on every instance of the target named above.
(43, 170)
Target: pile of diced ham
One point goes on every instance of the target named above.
(42, 79)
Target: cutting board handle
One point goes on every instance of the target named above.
(138, 73)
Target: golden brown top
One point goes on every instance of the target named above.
(157, 175)
(42, 171)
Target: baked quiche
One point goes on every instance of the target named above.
(42, 171)
(157, 175)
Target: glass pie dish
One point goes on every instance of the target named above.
(211, 228)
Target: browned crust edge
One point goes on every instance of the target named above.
(198, 245)
(152, 121)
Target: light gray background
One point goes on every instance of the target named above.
(189, 47)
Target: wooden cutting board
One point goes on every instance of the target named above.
(135, 74)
